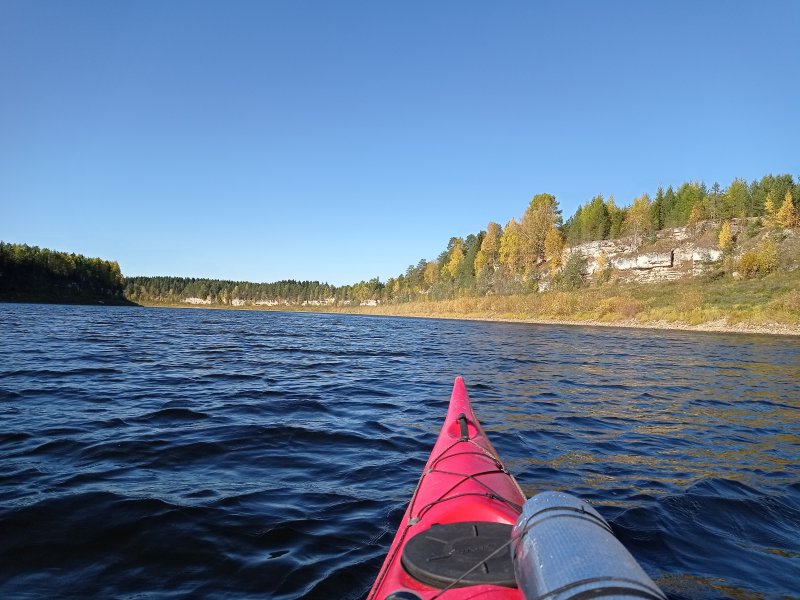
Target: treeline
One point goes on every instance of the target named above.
(499, 260)
(504, 259)
(30, 273)
(512, 258)
(600, 218)
(177, 290)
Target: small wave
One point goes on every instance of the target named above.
(57, 431)
(358, 391)
(15, 437)
(280, 435)
(166, 415)
(156, 454)
(56, 374)
(131, 451)
(112, 423)
(202, 494)
(728, 516)
(58, 448)
(717, 487)
(233, 376)
(101, 532)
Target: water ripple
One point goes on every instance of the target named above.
(194, 453)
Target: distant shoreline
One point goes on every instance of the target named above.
(718, 326)
(715, 326)
(76, 300)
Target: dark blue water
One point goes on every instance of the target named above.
(155, 453)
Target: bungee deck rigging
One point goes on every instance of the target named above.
(448, 494)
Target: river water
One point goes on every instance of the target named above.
(158, 453)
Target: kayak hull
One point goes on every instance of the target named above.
(464, 481)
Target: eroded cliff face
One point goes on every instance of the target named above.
(666, 255)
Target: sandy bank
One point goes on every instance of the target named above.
(719, 326)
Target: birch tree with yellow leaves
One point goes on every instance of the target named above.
(787, 213)
(553, 248)
(542, 213)
(489, 255)
(511, 248)
(456, 258)
(638, 221)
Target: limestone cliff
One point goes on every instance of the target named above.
(672, 254)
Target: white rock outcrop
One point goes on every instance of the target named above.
(643, 261)
(684, 258)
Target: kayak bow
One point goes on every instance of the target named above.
(453, 541)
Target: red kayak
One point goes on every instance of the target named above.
(453, 541)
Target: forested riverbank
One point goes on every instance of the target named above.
(745, 230)
(769, 305)
(689, 256)
(33, 274)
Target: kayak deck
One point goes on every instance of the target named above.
(451, 542)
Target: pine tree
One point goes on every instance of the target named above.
(597, 221)
(735, 200)
(657, 210)
(688, 195)
(668, 209)
(716, 190)
(616, 217)
(573, 227)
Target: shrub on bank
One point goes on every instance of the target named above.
(571, 276)
(761, 261)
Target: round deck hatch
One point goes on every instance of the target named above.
(442, 554)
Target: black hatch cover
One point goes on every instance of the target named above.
(442, 554)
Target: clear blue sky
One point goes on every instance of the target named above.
(341, 141)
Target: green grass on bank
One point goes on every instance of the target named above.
(773, 299)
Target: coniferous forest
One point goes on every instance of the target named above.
(173, 290)
(29, 273)
(500, 260)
